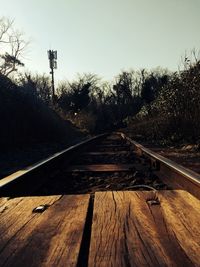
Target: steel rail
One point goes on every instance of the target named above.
(170, 171)
(45, 164)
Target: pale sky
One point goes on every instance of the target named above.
(105, 36)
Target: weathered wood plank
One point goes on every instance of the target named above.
(17, 212)
(51, 238)
(101, 168)
(129, 230)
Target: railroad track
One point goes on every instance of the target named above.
(109, 191)
(106, 162)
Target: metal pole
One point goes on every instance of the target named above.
(52, 83)
(53, 65)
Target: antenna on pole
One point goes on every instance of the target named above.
(52, 56)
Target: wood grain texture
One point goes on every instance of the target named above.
(128, 231)
(51, 238)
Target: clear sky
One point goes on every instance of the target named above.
(105, 36)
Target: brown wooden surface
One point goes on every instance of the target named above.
(51, 238)
(101, 168)
(128, 231)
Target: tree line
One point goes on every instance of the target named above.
(155, 104)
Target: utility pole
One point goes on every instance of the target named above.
(52, 55)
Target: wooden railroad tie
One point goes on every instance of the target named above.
(110, 153)
(101, 168)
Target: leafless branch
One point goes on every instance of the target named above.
(13, 45)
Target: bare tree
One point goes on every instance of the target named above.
(12, 47)
(38, 85)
